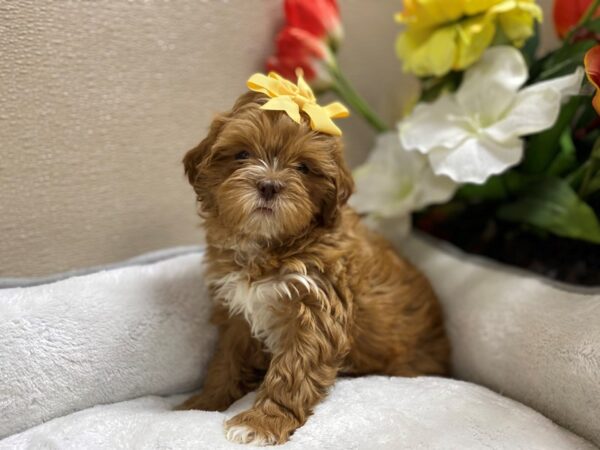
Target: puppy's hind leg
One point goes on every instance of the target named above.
(430, 357)
(236, 368)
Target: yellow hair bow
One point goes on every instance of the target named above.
(286, 96)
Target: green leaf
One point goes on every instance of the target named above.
(433, 87)
(566, 158)
(587, 115)
(593, 25)
(542, 147)
(563, 61)
(552, 205)
(576, 177)
(537, 66)
(592, 169)
(531, 46)
(492, 189)
(594, 185)
(517, 182)
(498, 187)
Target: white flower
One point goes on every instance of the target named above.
(475, 132)
(393, 182)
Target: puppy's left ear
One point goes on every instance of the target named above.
(343, 189)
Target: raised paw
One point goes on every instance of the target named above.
(205, 402)
(257, 428)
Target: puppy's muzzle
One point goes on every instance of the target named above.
(268, 189)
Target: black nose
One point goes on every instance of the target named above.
(268, 189)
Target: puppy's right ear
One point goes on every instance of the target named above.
(199, 155)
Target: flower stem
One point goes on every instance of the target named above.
(583, 20)
(345, 90)
(554, 69)
(591, 170)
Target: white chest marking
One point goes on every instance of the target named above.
(257, 301)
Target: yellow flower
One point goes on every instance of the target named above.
(293, 98)
(517, 19)
(445, 35)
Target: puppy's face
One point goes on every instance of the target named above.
(263, 176)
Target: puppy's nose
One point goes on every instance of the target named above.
(268, 189)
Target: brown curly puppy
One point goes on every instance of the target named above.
(302, 290)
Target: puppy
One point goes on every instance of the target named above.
(302, 290)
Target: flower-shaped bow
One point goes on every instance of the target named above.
(291, 98)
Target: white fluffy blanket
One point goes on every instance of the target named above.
(369, 413)
(126, 333)
(102, 338)
(535, 341)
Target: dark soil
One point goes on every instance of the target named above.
(567, 260)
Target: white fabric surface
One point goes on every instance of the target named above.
(101, 338)
(365, 413)
(116, 335)
(536, 342)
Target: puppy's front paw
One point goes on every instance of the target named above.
(256, 428)
(245, 434)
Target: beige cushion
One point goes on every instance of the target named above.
(535, 341)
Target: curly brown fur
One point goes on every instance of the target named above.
(302, 290)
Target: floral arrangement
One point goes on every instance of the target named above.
(501, 153)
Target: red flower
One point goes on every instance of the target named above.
(321, 18)
(567, 13)
(298, 48)
(592, 68)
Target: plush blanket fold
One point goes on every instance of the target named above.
(365, 413)
(102, 338)
(515, 333)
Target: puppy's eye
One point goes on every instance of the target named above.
(302, 167)
(242, 155)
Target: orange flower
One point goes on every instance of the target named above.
(592, 68)
(321, 18)
(297, 48)
(567, 13)
(313, 30)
